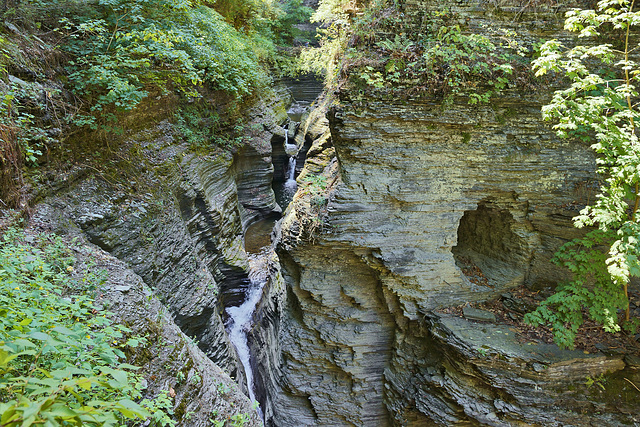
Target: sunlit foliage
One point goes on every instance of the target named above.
(600, 105)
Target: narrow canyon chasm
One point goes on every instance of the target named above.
(314, 269)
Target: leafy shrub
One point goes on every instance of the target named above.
(374, 46)
(316, 187)
(600, 105)
(118, 51)
(29, 135)
(59, 358)
(456, 60)
(325, 59)
(122, 48)
(591, 292)
(240, 14)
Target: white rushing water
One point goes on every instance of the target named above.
(290, 185)
(285, 188)
(290, 149)
(291, 170)
(241, 317)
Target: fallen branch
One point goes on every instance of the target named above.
(630, 382)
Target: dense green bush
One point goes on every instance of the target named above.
(23, 135)
(293, 12)
(372, 45)
(116, 52)
(599, 105)
(336, 29)
(60, 356)
(122, 49)
(241, 14)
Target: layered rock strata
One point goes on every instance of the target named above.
(418, 192)
(176, 216)
(170, 361)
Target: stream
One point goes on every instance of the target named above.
(257, 237)
(259, 251)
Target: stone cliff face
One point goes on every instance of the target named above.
(417, 201)
(419, 192)
(176, 217)
(455, 185)
(171, 362)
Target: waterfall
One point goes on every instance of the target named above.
(286, 186)
(290, 185)
(290, 149)
(291, 170)
(240, 318)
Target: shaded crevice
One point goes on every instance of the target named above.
(338, 340)
(232, 289)
(489, 251)
(279, 159)
(232, 281)
(195, 326)
(301, 158)
(288, 162)
(254, 172)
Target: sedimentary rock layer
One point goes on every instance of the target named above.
(425, 191)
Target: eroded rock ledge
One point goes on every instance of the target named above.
(175, 215)
(418, 192)
(171, 362)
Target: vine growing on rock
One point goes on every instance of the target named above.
(600, 105)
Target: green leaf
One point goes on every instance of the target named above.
(40, 336)
(119, 376)
(62, 412)
(64, 330)
(131, 409)
(5, 357)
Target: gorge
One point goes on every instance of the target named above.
(325, 267)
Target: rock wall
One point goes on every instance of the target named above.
(420, 191)
(171, 362)
(451, 370)
(176, 216)
(422, 188)
(415, 202)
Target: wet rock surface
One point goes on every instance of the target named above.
(176, 217)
